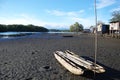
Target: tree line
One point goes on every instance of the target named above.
(115, 16)
(22, 28)
(76, 27)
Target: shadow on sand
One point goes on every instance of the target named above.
(110, 74)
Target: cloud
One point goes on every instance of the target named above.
(30, 19)
(53, 25)
(115, 9)
(72, 17)
(62, 13)
(26, 19)
(86, 22)
(104, 3)
(55, 12)
(21, 19)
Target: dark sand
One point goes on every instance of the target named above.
(32, 58)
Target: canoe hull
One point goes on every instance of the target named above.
(68, 65)
(85, 63)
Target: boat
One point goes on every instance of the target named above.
(73, 62)
(89, 65)
(67, 63)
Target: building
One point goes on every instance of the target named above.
(86, 31)
(99, 27)
(103, 28)
(93, 29)
(115, 27)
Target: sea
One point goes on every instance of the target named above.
(19, 35)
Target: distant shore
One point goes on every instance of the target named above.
(31, 58)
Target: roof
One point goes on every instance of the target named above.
(114, 21)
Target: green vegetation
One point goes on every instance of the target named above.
(115, 16)
(22, 28)
(76, 27)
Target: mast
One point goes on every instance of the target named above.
(95, 54)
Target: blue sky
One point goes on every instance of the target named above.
(56, 14)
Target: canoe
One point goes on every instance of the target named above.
(65, 62)
(84, 62)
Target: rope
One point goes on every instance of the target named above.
(95, 55)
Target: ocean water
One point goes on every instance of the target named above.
(9, 35)
(17, 35)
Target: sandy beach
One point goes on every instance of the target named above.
(31, 58)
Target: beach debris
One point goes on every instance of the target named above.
(67, 35)
(33, 53)
(45, 68)
(4, 50)
(5, 63)
(55, 72)
(29, 79)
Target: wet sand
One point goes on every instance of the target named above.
(32, 58)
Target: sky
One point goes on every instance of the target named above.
(56, 14)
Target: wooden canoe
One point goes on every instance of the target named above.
(70, 66)
(85, 63)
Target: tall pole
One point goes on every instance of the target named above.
(95, 55)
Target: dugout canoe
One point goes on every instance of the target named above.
(90, 65)
(65, 62)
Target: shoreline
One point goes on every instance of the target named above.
(32, 58)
